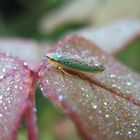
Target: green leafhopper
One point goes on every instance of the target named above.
(65, 63)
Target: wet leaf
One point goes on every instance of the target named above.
(15, 86)
(27, 50)
(104, 105)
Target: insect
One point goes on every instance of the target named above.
(69, 64)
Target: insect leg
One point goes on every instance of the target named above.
(82, 75)
(65, 72)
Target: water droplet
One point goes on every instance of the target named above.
(94, 106)
(16, 86)
(4, 70)
(8, 89)
(82, 88)
(114, 85)
(25, 63)
(1, 76)
(96, 64)
(34, 109)
(20, 88)
(0, 97)
(1, 115)
(41, 88)
(105, 103)
(100, 111)
(129, 133)
(60, 98)
(117, 132)
(5, 107)
(112, 75)
(128, 83)
(106, 115)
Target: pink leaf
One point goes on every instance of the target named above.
(15, 88)
(104, 105)
(27, 50)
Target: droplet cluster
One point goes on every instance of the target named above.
(110, 115)
(120, 80)
(74, 54)
(14, 89)
(116, 76)
(105, 104)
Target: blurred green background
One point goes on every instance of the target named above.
(20, 18)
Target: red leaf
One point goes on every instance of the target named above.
(103, 106)
(26, 50)
(15, 86)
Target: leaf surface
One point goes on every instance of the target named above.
(15, 86)
(104, 105)
(27, 50)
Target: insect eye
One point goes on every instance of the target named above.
(102, 68)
